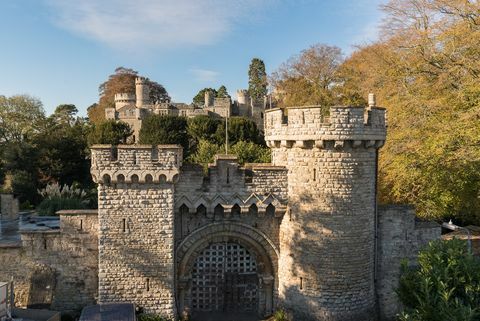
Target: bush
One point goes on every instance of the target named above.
(445, 286)
(151, 317)
(64, 197)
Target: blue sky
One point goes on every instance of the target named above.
(61, 50)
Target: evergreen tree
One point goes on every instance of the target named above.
(222, 92)
(199, 98)
(257, 79)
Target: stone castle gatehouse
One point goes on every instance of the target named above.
(304, 233)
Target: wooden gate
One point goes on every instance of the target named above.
(224, 278)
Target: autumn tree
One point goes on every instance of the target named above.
(425, 70)
(257, 79)
(309, 78)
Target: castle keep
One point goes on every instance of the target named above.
(303, 233)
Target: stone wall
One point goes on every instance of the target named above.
(400, 236)
(55, 269)
(9, 207)
(136, 239)
(327, 240)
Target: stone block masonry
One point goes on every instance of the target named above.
(136, 216)
(327, 241)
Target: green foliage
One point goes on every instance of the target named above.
(24, 185)
(280, 315)
(109, 132)
(257, 79)
(151, 317)
(199, 98)
(239, 128)
(20, 117)
(202, 127)
(160, 129)
(57, 197)
(205, 153)
(445, 286)
(222, 92)
(248, 152)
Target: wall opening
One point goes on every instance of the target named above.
(134, 178)
(253, 209)
(218, 212)
(148, 178)
(270, 210)
(120, 178)
(162, 178)
(201, 210)
(235, 211)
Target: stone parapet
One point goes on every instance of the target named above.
(308, 127)
(135, 163)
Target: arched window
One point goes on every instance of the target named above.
(201, 210)
(253, 209)
(218, 212)
(162, 178)
(148, 178)
(120, 178)
(270, 210)
(236, 210)
(134, 178)
(106, 179)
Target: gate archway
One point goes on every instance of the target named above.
(224, 279)
(246, 285)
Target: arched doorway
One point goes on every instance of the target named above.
(224, 279)
(247, 284)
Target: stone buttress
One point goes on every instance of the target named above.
(136, 224)
(327, 238)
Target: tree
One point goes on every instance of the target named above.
(222, 92)
(248, 152)
(20, 117)
(445, 286)
(425, 71)
(160, 129)
(109, 132)
(257, 79)
(310, 77)
(65, 114)
(199, 98)
(205, 153)
(122, 81)
(239, 128)
(202, 127)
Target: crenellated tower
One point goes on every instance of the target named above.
(142, 92)
(136, 224)
(327, 241)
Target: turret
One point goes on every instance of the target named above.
(142, 92)
(209, 99)
(123, 99)
(243, 102)
(327, 241)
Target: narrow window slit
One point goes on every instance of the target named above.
(301, 283)
(148, 284)
(81, 225)
(124, 225)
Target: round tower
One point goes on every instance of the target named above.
(209, 99)
(327, 241)
(243, 102)
(142, 92)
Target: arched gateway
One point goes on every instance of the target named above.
(226, 267)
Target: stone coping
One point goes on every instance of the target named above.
(317, 106)
(134, 146)
(78, 212)
(40, 231)
(10, 244)
(264, 166)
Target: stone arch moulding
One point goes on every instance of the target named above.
(251, 238)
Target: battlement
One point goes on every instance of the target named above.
(140, 80)
(121, 97)
(136, 163)
(308, 126)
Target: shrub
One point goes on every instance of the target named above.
(56, 197)
(151, 317)
(445, 286)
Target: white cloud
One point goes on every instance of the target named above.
(204, 75)
(140, 24)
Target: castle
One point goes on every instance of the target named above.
(133, 108)
(304, 233)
